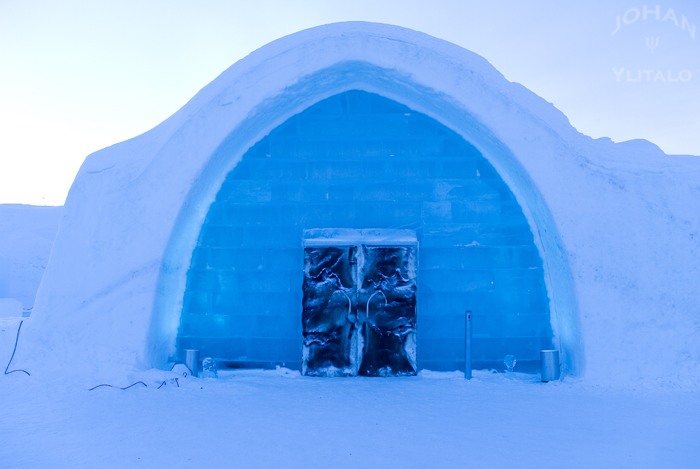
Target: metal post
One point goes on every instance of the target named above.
(468, 345)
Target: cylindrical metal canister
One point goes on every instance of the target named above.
(192, 361)
(549, 365)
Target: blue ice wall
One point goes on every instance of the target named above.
(359, 160)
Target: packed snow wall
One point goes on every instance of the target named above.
(359, 160)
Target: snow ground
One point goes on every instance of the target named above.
(277, 418)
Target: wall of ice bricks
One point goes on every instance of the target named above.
(359, 160)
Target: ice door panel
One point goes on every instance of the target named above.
(359, 311)
(387, 310)
(329, 311)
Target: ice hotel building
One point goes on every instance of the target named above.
(334, 202)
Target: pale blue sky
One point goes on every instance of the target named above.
(76, 76)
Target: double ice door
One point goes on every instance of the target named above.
(359, 311)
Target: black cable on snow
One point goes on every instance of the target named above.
(184, 373)
(123, 389)
(131, 385)
(14, 350)
(13, 353)
(165, 383)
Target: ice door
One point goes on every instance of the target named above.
(387, 310)
(329, 311)
(379, 283)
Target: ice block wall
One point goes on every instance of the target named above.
(359, 160)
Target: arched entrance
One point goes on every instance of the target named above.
(357, 160)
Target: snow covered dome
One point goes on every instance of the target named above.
(192, 235)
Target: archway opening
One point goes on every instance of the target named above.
(358, 160)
